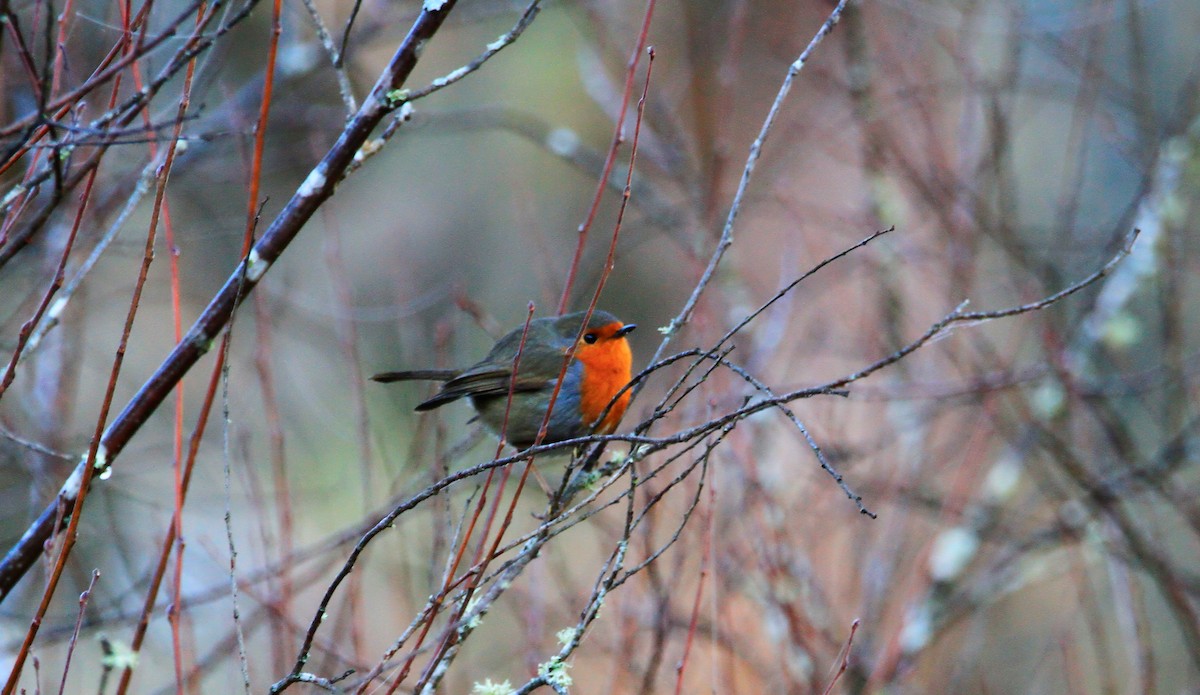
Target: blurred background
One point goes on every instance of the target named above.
(1034, 478)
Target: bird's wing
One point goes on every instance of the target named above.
(415, 375)
(485, 380)
(541, 356)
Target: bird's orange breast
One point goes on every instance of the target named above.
(606, 368)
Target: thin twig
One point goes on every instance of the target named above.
(726, 239)
(169, 538)
(405, 98)
(83, 601)
(335, 58)
(611, 159)
(52, 318)
(845, 660)
(35, 446)
(227, 457)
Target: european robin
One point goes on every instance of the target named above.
(599, 368)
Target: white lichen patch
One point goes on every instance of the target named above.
(12, 195)
(101, 457)
(565, 636)
(554, 672)
(368, 149)
(394, 97)
(74, 482)
(487, 687)
(315, 181)
(256, 266)
(120, 656)
(56, 309)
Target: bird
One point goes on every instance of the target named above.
(599, 369)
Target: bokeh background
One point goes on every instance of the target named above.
(1035, 477)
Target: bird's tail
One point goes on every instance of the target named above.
(416, 375)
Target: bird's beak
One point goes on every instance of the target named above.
(626, 330)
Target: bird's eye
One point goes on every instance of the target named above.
(589, 338)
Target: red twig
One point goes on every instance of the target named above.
(610, 160)
(111, 70)
(434, 606)
(726, 239)
(139, 632)
(55, 285)
(13, 23)
(704, 569)
(83, 600)
(845, 662)
(82, 477)
(177, 321)
(283, 501)
(473, 575)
